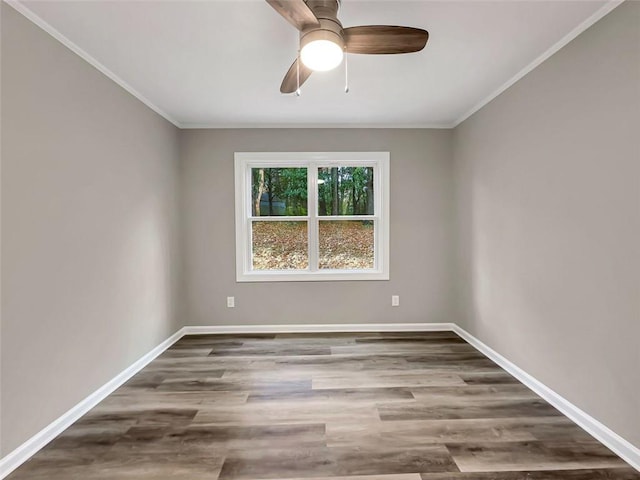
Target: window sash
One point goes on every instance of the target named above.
(312, 184)
(314, 248)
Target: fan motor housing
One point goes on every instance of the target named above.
(330, 29)
(326, 11)
(324, 8)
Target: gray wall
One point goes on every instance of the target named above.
(548, 193)
(89, 178)
(421, 252)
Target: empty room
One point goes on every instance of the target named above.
(320, 240)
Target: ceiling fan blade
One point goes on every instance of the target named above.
(384, 39)
(296, 12)
(290, 81)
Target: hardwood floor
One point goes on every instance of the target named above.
(370, 406)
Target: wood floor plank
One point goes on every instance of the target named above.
(337, 394)
(402, 476)
(623, 473)
(220, 385)
(271, 350)
(336, 462)
(490, 408)
(375, 380)
(380, 459)
(469, 394)
(186, 352)
(400, 434)
(289, 412)
(412, 337)
(225, 439)
(407, 348)
(278, 463)
(509, 456)
(151, 398)
(361, 406)
(487, 378)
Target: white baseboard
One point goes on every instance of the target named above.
(29, 448)
(319, 328)
(613, 441)
(621, 447)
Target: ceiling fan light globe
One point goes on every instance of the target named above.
(321, 55)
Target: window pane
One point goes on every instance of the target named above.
(279, 245)
(345, 191)
(346, 244)
(278, 191)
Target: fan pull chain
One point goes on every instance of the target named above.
(346, 71)
(298, 74)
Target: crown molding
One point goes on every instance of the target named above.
(604, 10)
(440, 126)
(20, 7)
(34, 18)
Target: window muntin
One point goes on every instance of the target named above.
(329, 197)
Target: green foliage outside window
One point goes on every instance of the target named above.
(345, 191)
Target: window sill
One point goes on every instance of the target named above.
(302, 276)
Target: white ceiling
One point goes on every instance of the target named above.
(219, 63)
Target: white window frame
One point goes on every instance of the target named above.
(245, 161)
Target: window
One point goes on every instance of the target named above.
(312, 216)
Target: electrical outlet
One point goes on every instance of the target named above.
(231, 302)
(395, 300)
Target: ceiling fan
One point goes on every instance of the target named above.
(323, 40)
